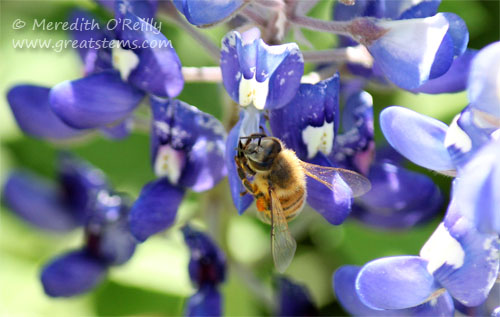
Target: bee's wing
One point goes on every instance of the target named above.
(282, 243)
(326, 175)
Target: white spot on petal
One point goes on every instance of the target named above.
(442, 248)
(125, 61)
(253, 92)
(318, 139)
(457, 137)
(169, 163)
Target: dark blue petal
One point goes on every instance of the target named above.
(159, 71)
(155, 209)
(88, 29)
(462, 260)
(417, 137)
(344, 285)
(38, 202)
(443, 58)
(71, 274)
(478, 187)
(206, 302)
(308, 124)
(334, 205)
(454, 80)
(484, 82)
(207, 265)
(407, 51)
(80, 183)
(256, 73)
(94, 101)
(399, 198)
(198, 141)
(31, 108)
(207, 12)
(240, 202)
(395, 283)
(107, 232)
(354, 148)
(293, 299)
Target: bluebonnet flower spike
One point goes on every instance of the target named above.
(293, 299)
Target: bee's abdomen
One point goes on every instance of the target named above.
(293, 204)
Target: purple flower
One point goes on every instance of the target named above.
(257, 74)
(119, 68)
(293, 299)
(417, 44)
(257, 77)
(108, 242)
(55, 206)
(205, 13)
(207, 269)
(456, 260)
(187, 151)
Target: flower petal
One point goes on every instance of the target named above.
(256, 73)
(334, 205)
(207, 12)
(31, 108)
(293, 299)
(159, 71)
(206, 302)
(395, 283)
(417, 137)
(80, 183)
(240, 202)
(423, 9)
(454, 80)
(308, 124)
(197, 138)
(94, 101)
(344, 285)
(461, 259)
(155, 209)
(477, 189)
(399, 198)
(107, 232)
(87, 29)
(484, 82)
(406, 52)
(38, 202)
(72, 274)
(207, 265)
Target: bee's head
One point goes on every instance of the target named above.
(261, 152)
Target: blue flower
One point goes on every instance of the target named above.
(399, 198)
(205, 13)
(119, 70)
(108, 242)
(293, 299)
(257, 77)
(308, 125)
(478, 186)
(187, 151)
(207, 269)
(56, 206)
(456, 260)
(415, 45)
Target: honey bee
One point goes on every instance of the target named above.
(276, 177)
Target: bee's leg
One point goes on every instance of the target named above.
(262, 203)
(241, 166)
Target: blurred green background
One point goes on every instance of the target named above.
(155, 281)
